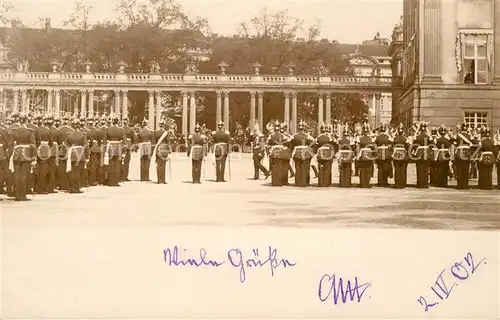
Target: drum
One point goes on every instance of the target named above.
(443, 155)
(302, 152)
(463, 153)
(275, 151)
(77, 153)
(365, 154)
(325, 153)
(423, 154)
(197, 152)
(114, 148)
(383, 153)
(145, 149)
(345, 156)
(163, 150)
(221, 149)
(400, 154)
(44, 151)
(487, 158)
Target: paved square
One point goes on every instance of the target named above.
(243, 202)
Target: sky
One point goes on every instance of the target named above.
(348, 21)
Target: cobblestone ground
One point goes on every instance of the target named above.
(243, 201)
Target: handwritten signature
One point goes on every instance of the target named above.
(331, 286)
(460, 271)
(235, 259)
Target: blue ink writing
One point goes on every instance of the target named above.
(172, 258)
(340, 291)
(442, 288)
(235, 258)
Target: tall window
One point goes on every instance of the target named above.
(475, 59)
(476, 119)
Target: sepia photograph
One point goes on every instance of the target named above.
(148, 145)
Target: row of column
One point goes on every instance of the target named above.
(496, 45)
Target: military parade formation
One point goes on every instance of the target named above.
(42, 154)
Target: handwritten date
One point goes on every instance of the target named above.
(442, 288)
(235, 259)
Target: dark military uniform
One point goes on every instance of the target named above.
(462, 159)
(103, 174)
(10, 173)
(23, 153)
(325, 152)
(258, 155)
(161, 152)
(196, 152)
(278, 158)
(365, 160)
(61, 174)
(130, 140)
(302, 154)
(95, 142)
(77, 154)
(475, 154)
(345, 159)
(486, 162)
(383, 142)
(44, 148)
(442, 159)
(422, 159)
(51, 165)
(85, 168)
(4, 156)
(497, 156)
(400, 160)
(433, 164)
(221, 141)
(145, 139)
(115, 137)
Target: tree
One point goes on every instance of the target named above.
(5, 8)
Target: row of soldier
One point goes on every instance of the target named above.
(436, 153)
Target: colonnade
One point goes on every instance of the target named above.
(87, 106)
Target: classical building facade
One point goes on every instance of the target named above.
(445, 59)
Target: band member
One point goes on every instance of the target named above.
(475, 140)
(302, 154)
(258, 147)
(383, 142)
(23, 157)
(54, 149)
(145, 138)
(44, 146)
(346, 146)
(442, 158)
(486, 160)
(279, 169)
(103, 167)
(85, 166)
(95, 141)
(422, 157)
(221, 151)
(287, 152)
(497, 149)
(433, 164)
(4, 145)
(76, 141)
(325, 154)
(365, 157)
(62, 175)
(196, 152)
(462, 157)
(115, 137)
(161, 151)
(130, 139)
(400, 158)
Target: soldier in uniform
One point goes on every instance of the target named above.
(23, 157)
(433, 164)
(161, 151)
(325, 154)
(85, 167)
(497, 150)
(62, 175)
(365, 157)
(474, 151)
(115, 137)
(277, 142)
(422, 159)
(54, 149)
(44, 148)
(4, 145)
(345, 158)
(258, 147)
(486, 160)
(131, 139)
(94, 140)
(145, 138)
(103, 168)
(383, 142)
(462, 157)
(196, 152)
(221, 151)
(443, 156)
(400, 158)
(302, 154)
(77, 155)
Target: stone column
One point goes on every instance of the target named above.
(151, 110)
(83, 107)
(117, 103)
(328, 112)
(58, 103)
(432, 41)
(260, 110)
(252, 110)
(286, 109)
(226, 110)
(184, 113)
(294, 111)
(192, 112)
(91, 103)
(24, 100)
(50, 103)
(377, 95)
(124, 103)
(15, 107)
(218, 111)
(321, 118)
(158, 109)
(496, 43)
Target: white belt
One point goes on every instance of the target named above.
(486, 152)
(219, 143)
(383, 147)
(11, 160)
(344, 151)
(324, 147)
(399, 148)
(442, 150)
(1, 144)
(94, 141)
(299, 147)
(68, 156)
(44, 143)
(106, 155)
(114, 141)
(423, 147)
(365, 149)
(463, 147)
(144, 143)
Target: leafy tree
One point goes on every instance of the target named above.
(5, 8)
